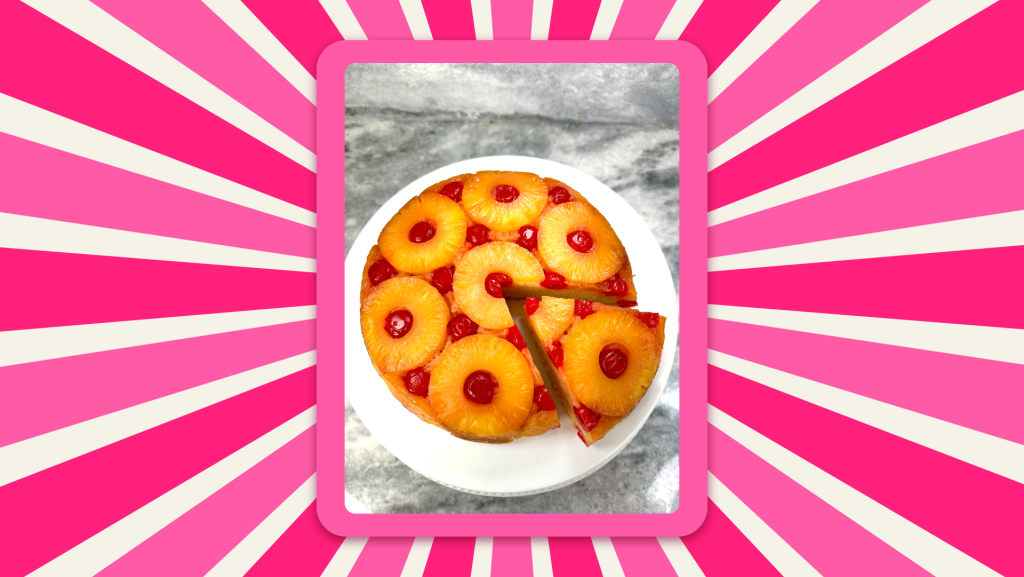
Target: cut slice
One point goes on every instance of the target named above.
(551, 319)
(577, 242)
(404, 322)
(479, 270)
(504, 201)
(424, 235)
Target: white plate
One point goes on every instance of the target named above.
(533, 464)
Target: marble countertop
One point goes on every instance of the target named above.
(620, 124)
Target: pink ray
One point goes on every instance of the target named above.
(57, 185)
(925, 382)
(59, 71)
(304, 550)
(193, 35)
(511, 19)
(719, 26)
(511, 557)
(381, 19)
(573, 19)
(927, 192)
(382, 556)
(830, 541)
(573, 557)
(722, 550)
(59, 289)
(302, 26)
(959, 71)
(830, 32)
(89, 493)
(969, 287)
(970, 508)
(642, 557)
(640, 20)
(450, 556)
(450, 19)
(49, 395)
(211, 529)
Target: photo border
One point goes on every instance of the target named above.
(692, 291)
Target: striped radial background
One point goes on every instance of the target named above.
(157, 289)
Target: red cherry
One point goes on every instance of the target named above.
(461, 326)
(650, 319)
(532, 304)
(616, 286)
(453, 190)
(553, 280)
(495, 282)
(580, 241)
(442, 279)
(586, 417)
(528, 237)
(558, 195)
(626, 304)
(381, 271)
(516, 338)
(477, 234)
(505, 193)
(398, 324)
(580, 435)
(480, 387)
(421, 232)
(417, 382)
(584, 309)
(557, 355)
(613, 361)
(542, 397)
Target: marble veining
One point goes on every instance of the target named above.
(618, 123)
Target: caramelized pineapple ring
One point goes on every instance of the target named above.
(577, 242)
(424, 235)
(471, 280)
(404, 322)
(504, 201)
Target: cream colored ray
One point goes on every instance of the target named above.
(31, 233)
(767, 541)
(44, 451)
(482, 25)
(248, 551)
(785, 14)
(26, 121)
(416, 562)
(675, 23)
(105, 547)
(417, 19)
(607, 13)
(606, 557)
(991, 231)
(483, 548)
(921, 547)
(541, 555)
(31, 345)
(679, 557)
(924, 25)
(992, 343)
(239, 18)
(541, 22)
(344, 19)
(345, 557)
(992, 120)
(991, 453)
(90, 22)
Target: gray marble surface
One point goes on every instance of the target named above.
(620, 124)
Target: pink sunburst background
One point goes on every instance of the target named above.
(157, 302)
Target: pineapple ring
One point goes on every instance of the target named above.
(420, 258)
(478, 199)
(429, 327)
(583, 375)
(605, 258)
(512, 399)
(472, 270)
(552, 317)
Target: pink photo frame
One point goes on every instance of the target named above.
(692, 290)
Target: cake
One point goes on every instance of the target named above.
(438, 330)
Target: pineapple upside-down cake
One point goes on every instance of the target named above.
(438, 330)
